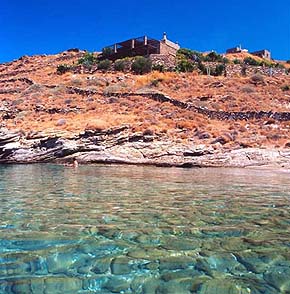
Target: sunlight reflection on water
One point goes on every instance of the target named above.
(128, 229)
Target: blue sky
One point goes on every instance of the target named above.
(49, 26)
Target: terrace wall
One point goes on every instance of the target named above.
(236, 69)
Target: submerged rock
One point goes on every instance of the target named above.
(176, 262)
(179, 244)
(117, 285)
(121, 265)
(279, 277)
(222, 286)
(253, 261)
(102, 265)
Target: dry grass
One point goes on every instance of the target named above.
(142, 114)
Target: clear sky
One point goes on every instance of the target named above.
(51, 26)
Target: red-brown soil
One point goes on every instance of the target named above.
(48, 105)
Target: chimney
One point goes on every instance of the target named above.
(164, 37)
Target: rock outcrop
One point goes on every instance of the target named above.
(121, 145)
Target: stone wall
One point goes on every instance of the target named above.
(167, 50)
(236, 69)
(167, 61)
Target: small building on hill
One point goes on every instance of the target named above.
(142, 46)
(237, 49)
(263, 53)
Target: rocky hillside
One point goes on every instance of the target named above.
(183, 119)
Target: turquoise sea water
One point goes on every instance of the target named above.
(128, 229)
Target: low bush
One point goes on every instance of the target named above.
(285, 88)
(213, 71)
(236, 61)
(88, 59)
(202, 68)
(107, 51)
(158, 67)
(63, 68)
(279, 65)
(219, 70)
(251, 61)
(120, 65)
(155, 82)
(184, 53)
(104, 64)
(185, 66)
(225, 60)
(141, 65)
(213, 57)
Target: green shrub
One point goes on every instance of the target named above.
(155, 82)
(219, 70)
(225, 60)
(251, 61)
(216, 71)
(213, 57)
(104, 64)
(202, 68)
(236, 61)
(185, 65)
(63, 68)
(266, 63)
(120, 65)
(141, 65)
(279, 65)
(158, 67)
(184, 53)
(107, 51)
(285, 88)
(88, 59)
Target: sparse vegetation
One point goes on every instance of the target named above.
(88, 59)
(155, 82)
(158, 67)
(285, 88)
(120, 65)
(63, 68)
(188, 54)
(104, 65)
(236, 61)
(251, 61)
(52, 105)
(106, 52)
(185, 65)
(279, 65)
(219, 70)
(141, 65)
(214, 57)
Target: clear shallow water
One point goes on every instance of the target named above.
(127, 229)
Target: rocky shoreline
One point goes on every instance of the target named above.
(120, 145)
